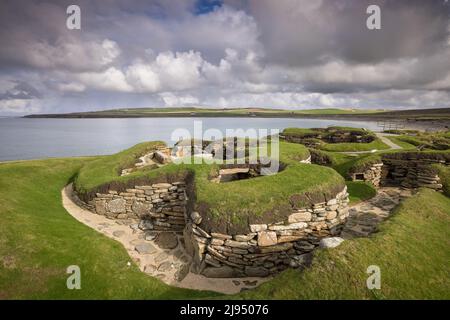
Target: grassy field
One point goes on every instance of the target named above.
(209, 112)
(411, 250)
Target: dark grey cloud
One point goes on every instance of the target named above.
(289, 53)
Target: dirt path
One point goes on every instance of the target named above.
(383, 137)
(161, 255)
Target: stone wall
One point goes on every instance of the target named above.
(161, 205)
(268, 248)
(410, 174)
(265, 250)
(372, 174)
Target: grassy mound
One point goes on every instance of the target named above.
(225, 207)
(411, 250)
(335, 139)
(427, 140)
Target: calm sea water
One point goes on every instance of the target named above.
(22, 138)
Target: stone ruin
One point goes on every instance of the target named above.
(404, 169)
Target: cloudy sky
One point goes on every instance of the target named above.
(293, 54)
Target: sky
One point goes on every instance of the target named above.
(289, 54)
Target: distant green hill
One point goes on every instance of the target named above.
(419, 114)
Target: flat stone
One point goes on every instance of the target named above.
(150, 235)
(118, 233)
(161, 257)
(165, 266)
(116, 206)
(256, 271)
(167, 240)
(221, 272)
(331, 242)
(145, 248)
(149, 268)
(299, 217)
(182, 272)
(258, 227)
(196, 217)
(267, 238)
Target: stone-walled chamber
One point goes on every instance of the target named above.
(266, 249)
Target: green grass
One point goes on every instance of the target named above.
(39, 240)
(360, 191)
(353, 146)
(411, 250)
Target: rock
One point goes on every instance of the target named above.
(141, 208)
(161, 257)
(299, 217)
(150, 235)
(116, 206)
(256, 271)
(331, 215)
(237, 244)
(251, 283)
(149, 268)
(118, 233)
(258, 227)
(244, 237)
(331, 242)
(167, 240)
(145, 248)
(267, 238)
(331, 202)
(182, 272)
(221, 272)
(276, 248)
(196, 217)
(236, 282)
(161, 185)
(220, 236)
(292, 226)
(122, 216)
(100, 207)
(165, 266)
(145, 225)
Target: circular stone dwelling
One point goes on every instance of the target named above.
(235, 221)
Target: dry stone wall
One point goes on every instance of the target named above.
(162, 206)
(372, 174)
(411, 174)
(408, 173)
